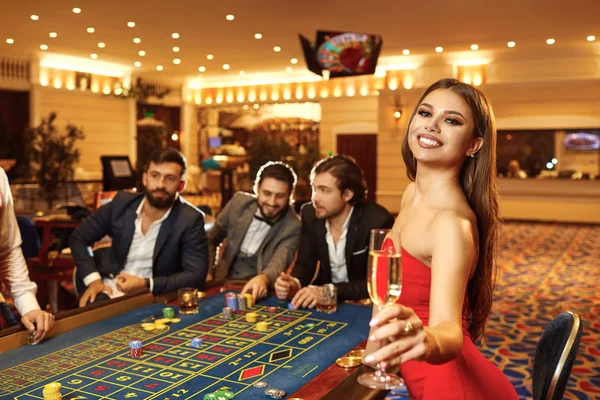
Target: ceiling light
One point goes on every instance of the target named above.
(141, 53)
(176, 49)
(159, 67)
(439, 49)
(591, 38)
(53, 34)
(137, 40)
(258, 36)
(242, 73)
(511, 44)
(230, 17)
(550, 41)
(474, 47)
(34, 17)
(276, 49)
(226, 67)
(406, 52)
(175, 35)
(131, 24)
(94, 56)
(44, 47)
(210, 57)
(77, 10)
(101, 45)
(91, 30)
(176, 61)
(10, 40)
(202, 68)
(288, 69)
(137, 64)
(294, 61)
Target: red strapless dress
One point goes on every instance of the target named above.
(470, 375)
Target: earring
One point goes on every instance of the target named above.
(472, 155)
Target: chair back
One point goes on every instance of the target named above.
(30, 241)
(554, 356)
(103, 198)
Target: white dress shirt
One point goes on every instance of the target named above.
(337, 252)
(256, 233)
(13, 268)
(141, 252)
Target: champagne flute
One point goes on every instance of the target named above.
(384, 281)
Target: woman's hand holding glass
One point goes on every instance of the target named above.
(404, 332)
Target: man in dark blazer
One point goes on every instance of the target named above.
(158, 238)
(262, 231)
(334, 241)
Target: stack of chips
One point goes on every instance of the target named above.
(196, 342)
(262, 326)
(231, 301)
(251, 317)
(242, 303)
(275, 393)
(135, 348)
(272, 309)
(168, 312)
(227, 313)
(219, 395)
(52, 391)
(249, 300)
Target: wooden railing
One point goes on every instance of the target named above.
(14, 70)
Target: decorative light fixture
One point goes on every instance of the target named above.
(439, 49)
(397, 115)
(288, 69)
(159, 67)
(474, 47)
(242, 73)
(550, 41)
(176, 49)
(94, 56)
(175, 35)
(34, 17)
(10, 40)
(101, 45)
(90, 30)
(226, 67)
(294, 61)
(230, 17)
(202, 68)
(131, 24)
(406, 52)
(258, 36)
(210, 57)
(137, 64)
(141, 53)
(77, 10)
(511, 44)
(176, 61)
(591, 38)
(53, 35)
(276, 49)
(44, 47)
(137, 40)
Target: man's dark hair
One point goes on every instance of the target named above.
(347, 173)
(276, 170)
(168, 155)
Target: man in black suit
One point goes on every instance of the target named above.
(158, 238)
(335, 234)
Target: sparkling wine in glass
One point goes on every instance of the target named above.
(384, 282)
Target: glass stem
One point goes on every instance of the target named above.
(380, 371)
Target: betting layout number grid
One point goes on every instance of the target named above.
(233, 355)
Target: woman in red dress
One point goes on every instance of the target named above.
(448, 227)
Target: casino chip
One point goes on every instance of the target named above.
(272, 309)
(210, 396)
(196, 342)
(260, 384)
(290, 306)
(275, 393)
(224, 395)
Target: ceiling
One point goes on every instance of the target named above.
(419, 26)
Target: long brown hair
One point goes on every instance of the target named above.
(478, 181)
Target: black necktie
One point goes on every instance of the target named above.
(266, 221)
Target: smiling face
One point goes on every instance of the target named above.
(441, 131)
(273, 197)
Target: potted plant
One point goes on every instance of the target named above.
(53, 154)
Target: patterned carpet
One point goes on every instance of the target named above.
(546, 269)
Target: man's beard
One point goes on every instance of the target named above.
(160, 204)
(273, 218)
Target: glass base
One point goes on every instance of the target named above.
(188, 312)
(381, 380)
